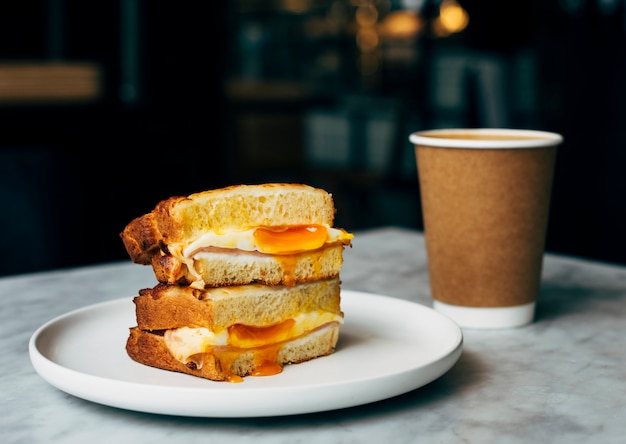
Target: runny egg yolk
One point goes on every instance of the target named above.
(246, 336)
(288, 240)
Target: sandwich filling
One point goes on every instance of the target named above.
(271, 240)
(280, 243)
(185, 342)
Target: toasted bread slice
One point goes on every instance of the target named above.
(223, 268)
(182, 220)
(228, 363)
(168, 306)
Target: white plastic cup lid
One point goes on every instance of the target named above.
(485, 138)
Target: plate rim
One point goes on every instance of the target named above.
(396, 382)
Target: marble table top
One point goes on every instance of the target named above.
(561, 379)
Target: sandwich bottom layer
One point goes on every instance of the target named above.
(227, 363)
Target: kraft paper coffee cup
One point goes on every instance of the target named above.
(485, 201)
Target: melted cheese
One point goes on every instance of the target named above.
(186, 341)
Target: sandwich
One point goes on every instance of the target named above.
(226, 333)
(248, 281)
(271, 233)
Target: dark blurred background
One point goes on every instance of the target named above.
(107, 107)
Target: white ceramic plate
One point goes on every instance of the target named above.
(387, 347)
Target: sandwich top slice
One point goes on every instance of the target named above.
(275, 234)
(227, 333)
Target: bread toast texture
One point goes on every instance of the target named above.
(169, 306)
(220, 268)
(180, 220)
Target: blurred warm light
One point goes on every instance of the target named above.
(366, 15)
(367, 39)
(401, 24)
(24, 82)
(452, 18)
(296, 6)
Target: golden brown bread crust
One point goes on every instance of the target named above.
(141, 239)
(221, 268)
(166, 307)
(150, 349)
(180, 220)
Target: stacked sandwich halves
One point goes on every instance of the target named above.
(248, 280)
